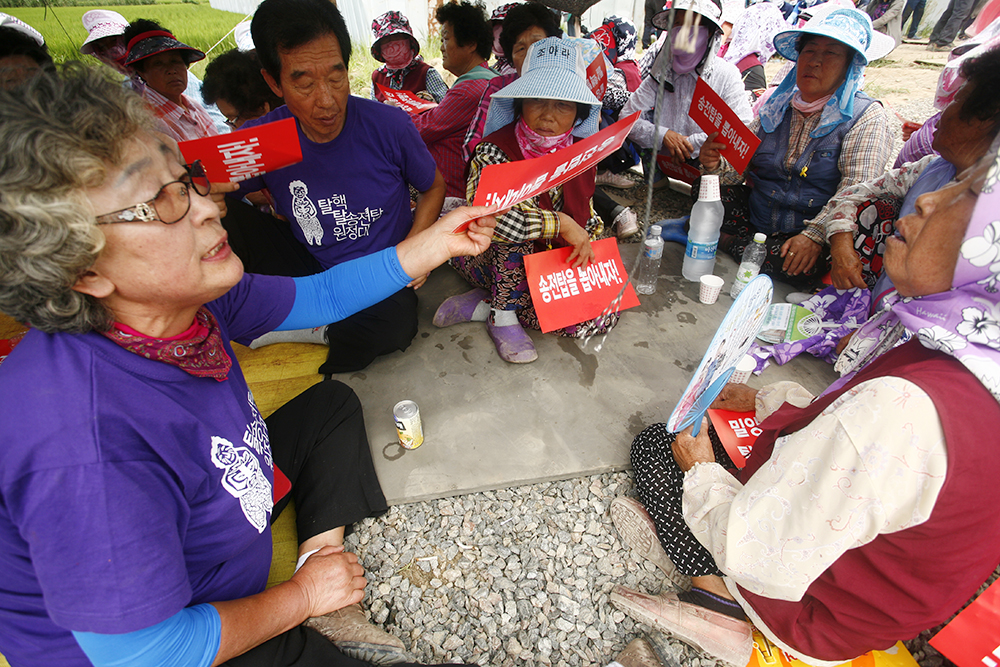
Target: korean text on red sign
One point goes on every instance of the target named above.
(407, 101)
(713, 115)
(244, 154)
(565, 295)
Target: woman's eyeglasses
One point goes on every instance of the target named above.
(170, 204)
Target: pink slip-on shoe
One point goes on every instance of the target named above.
(513, 344)
(721, 636)
(637, 530)
(457, 309)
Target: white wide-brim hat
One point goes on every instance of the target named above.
(553, 69)
(9, 21)
(710, 10)
(849, 26)
(244, 40)
(101, 23)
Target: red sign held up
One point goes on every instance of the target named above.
(597, 77)
(714, 115)
(407, 101)
(563, 295)
(243, 154)
(737, 431)
(972, 639)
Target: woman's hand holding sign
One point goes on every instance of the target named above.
(709, 155)
(576, 236)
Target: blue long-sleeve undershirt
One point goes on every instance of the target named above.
(345, 289)
(190, 637)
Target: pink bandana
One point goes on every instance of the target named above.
(398, 53)
(198, 351)
(809, 108)
(533, 144)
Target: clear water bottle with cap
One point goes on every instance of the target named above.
(649, 265)
(753, 258)
(703, 235)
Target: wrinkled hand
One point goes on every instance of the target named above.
(425, 95)
(800, 253)
(709, 155)
(217, 191)
(417, 283)
(424, 251)
(736, 397)
(331, 579)
(845, 265)
(576, 236)
(689, 449)
(909, 127)
(678, 145)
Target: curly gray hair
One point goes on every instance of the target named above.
(60, 133)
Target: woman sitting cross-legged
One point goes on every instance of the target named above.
(137, 473)
(862, 516)
(547, 109)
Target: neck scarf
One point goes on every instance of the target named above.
(685, 62)
(533, 144)
(963, 322)
(808, 108)
(839, 107)
(198, 351)
(398, 53)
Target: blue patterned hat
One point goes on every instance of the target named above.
(553, 69)
(851, 27)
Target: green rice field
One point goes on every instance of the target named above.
(198, 25)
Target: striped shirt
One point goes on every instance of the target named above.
(183, 123)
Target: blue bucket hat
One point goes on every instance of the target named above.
(851, 27)
(553, 69)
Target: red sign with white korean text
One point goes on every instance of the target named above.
(244, 154)
(564, 295)
(407, 101)
(597, 77)
(681, 172)
(714, 115)
(972, 639)
(737, 431)
(503, 185)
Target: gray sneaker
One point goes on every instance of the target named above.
(637, 530)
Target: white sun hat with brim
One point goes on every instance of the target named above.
(851, 27)
(101, 23)
(710, 10)
(8, 21)
(553, 70)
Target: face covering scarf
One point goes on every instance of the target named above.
(398, 54)
(685, 62)
(533, 144)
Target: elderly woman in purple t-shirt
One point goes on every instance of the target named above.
(138, 477)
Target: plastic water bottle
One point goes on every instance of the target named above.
(753, 258)
(703, 236)
(649, 265)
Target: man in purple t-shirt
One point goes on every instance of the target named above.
(349, 196)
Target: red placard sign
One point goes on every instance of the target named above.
(7, 345)
(972, 639)
(597, 77)
(714, 115)
(563, 295)
(681, 172)
(244, 154)
(737, 431)
(407, 101)
(503, 185)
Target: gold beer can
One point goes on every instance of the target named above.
(406, 414)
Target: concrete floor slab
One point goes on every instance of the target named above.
(489, 424)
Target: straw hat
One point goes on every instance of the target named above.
(389, 24)
(101, 23)
(851, 27)
(553, 70)
(153, 42)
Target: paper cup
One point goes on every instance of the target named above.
(744, 370)
(710, 288)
